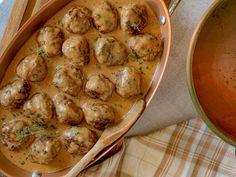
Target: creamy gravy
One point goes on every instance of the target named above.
(121, 105)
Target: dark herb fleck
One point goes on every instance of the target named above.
(134, 56)
(134, 25)
(58, 68)
(94, 109)
(41, 52)
(141, 70)
(53, 126)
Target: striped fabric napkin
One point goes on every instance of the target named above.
(188, 149)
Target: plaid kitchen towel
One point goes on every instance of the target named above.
(188, 149)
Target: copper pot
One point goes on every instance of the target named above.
(211, 69)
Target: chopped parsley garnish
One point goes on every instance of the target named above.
(41, 52)
(80, 76)
(58, 68)
(53, 126)
(94, 109)
(75, 132)
(14, 114)
(134, 25)
(134, 56)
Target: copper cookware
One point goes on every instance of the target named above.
(35, 22)
(211, 69)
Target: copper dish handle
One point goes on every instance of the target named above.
(172, 6)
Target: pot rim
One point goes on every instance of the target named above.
(189, 68)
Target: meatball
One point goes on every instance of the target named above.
(79, 140)
(44, 149)
(39, 108)
(77, 20)
(98, 86)
(105, 17)
(15, 93)
(128, 82)
(77, 48)
(110, 51)
(50, 40)
(69, 79)
(98, 115)
(67, 111)
(32, 68)
(133, 18)
(145, 46)
(15, 133)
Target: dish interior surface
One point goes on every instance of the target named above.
(214, 69)
(121, 105)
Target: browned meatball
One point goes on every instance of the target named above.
(67, 111)
(79, 140)
(77, 48)
(15, 133)
(69, 79)
(99, 86)
(44, 149)
(133, 18)
(32, 68)
(128, 82)
(15, 93)
(145, 46)
(50, 40)
(110, 51)
(105, 17)
(77, 20)
(98, 115)
(39, 108)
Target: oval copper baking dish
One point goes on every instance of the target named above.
(39, 19)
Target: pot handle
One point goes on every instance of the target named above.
(172, 6)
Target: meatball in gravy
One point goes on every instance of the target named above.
(133, 18)
(76, 48)
(79, 140)
(145, 46)
(15, 133)
(128, 82)
(32, 68)
(110, 51)
(77, 20)
(99, 86)
(69, 79)
(67, 111)
(14, 94)
(98, 115)
(44, 149)
(39, 108)
(105, 17)
(50, 40)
